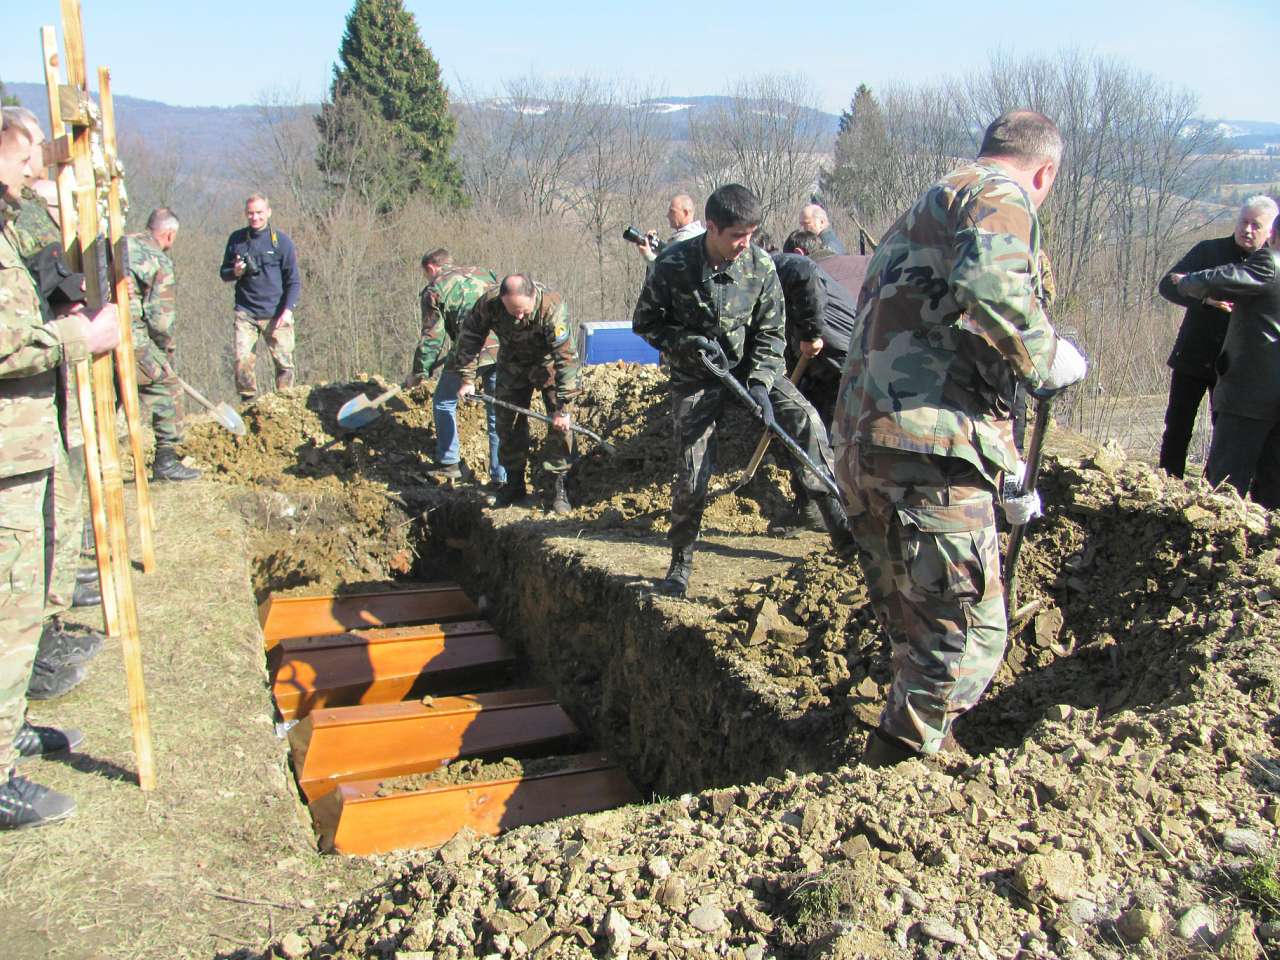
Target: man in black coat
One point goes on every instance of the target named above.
(1204, 327)
(1245, 451)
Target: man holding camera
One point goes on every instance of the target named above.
(263, 264)
(680, 217)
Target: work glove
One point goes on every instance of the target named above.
(1019, 507)
(687, 351)
(1069, 366)
(760, 394)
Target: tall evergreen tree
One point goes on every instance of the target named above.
(386, 130)
(6, 100)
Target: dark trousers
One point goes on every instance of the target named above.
(1245, 452)
(513, 429)
(696, 409)
(1185, 393)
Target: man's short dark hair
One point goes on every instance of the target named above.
(733, 205)
(1024, 136)
(437, 257)
(517, 284)
(763, 239)
(802, 241)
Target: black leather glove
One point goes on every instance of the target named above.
(760, 394)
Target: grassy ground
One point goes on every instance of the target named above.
(166, 874)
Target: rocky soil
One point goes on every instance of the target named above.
(1116, 794)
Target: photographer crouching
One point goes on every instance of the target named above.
(262, 262)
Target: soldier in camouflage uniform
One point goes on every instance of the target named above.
(153, 309)
(949, 322)
(722, 287)
(536, 352)
(446, 301)
(33, 345)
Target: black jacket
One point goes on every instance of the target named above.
(278, 284)
(818, 305)
(1203, 327)
(1249, 366)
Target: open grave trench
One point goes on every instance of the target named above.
(1142, 694)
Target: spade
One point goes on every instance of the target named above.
(222, 412)
(361, 411)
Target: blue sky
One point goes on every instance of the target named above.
(200, 53)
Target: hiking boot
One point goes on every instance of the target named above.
(510, 494)
(33, 741)
(51, 679)
(837, 525)
(25, 804)
(560, 498)
(885, 751)
(87, 594)
(445, 471)
(676, 582)
(167, 466)
(60, 645)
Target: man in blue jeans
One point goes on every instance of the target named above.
(446, 300)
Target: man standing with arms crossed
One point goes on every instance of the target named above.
(950, 322)
(263, 264)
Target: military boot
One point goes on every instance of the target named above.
(25, 804)
(676, 582)
(60, 644)
(837, 524)
(560, 498)
(51, 679)
(513, 493)
(885, 751)
(33, 741)
(88, 590)
(167, 466)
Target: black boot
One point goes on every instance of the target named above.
(88, 593)
(885, 751)
(51, 679)
(61, 645)
(676, 582)
(513, 493)
(33, 741)
(25, 804)
(837, 524)
(560, 498)
(167, 466)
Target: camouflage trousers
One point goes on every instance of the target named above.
(64, 528)
(696, 410)
(280, 341)
(513, 386)
(158, 389)
(926, 529)
(24, 572)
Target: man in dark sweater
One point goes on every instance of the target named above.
(1204, 326)
(264, 266)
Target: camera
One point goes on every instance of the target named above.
(632, 235)
(252, 264)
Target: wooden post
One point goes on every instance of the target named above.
(82, 372)
(126, 364)
(92, 256)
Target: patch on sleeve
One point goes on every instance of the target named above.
(560, 333)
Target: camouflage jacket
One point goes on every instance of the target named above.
(949, 321)
(34, 228)
(153, 289)
(32, 348)
(740, 306)
(540, 348)
(445, 303)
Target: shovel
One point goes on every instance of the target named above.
(758, 457)
(361, 411)
(603, 445)
(222, 412)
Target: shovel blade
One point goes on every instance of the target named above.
(357, 412)
(226, 416)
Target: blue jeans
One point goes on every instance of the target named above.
(444, 404)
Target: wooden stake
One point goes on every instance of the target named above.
(126, 362)
(92, 257)
(82, 372)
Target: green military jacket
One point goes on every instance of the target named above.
(740, 306)
(34, 227)
(32, 347)
(540, 348)
(153, 289)
(445, 302)
(948, 320)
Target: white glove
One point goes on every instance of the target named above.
(1022, 509)
(1069, 366)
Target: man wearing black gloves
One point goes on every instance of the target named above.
(264, 266)
(1204, 326)
(719, 287)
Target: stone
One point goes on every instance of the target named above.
(1238, 941)
(755, 918)
(707, 919)
(292, 946)
(1082, 912)
(617, 930)
(671, 894)
(1244, 841)
(459, 847)
(537, 932)
(753, 952)
(1197, 923)
(659, 868)
(935, 928)
(1140, 924)
(1059, 874)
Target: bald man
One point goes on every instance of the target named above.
(814, 219)
(681, 217)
